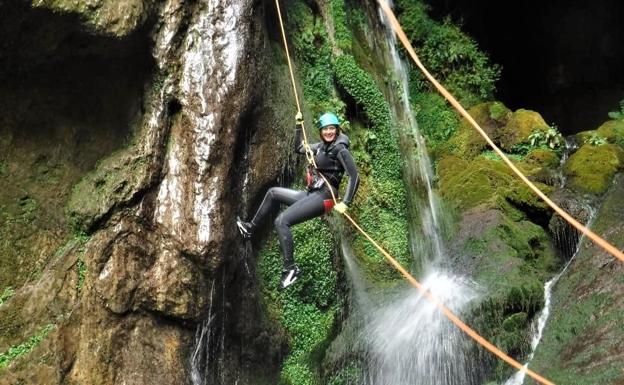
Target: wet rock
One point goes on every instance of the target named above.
(174, 287)
(582, 340)
(112, 17)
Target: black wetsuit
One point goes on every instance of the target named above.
(332, 160)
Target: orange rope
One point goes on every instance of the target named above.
(430, 297)
(308, 151)
(449, 314)
(590, 234)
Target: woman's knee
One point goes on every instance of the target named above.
(281, 222)
(271, 192)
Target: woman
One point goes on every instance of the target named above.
(332, 158)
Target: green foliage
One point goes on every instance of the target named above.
(381, 200)
(550, 138)
(436, 120)
(19, 350)
(498, 111)
(450, 55)
(311, 47)
(343, 36)
(618, 114)
(596, 140)
(307, 308)
(6, 294)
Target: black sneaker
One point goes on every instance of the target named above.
(244, 228)
(289, 276)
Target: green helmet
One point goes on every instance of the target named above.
(328, 119)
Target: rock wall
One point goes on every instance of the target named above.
(136, 125)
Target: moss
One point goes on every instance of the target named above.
(612, 130)
(382, 197)
(491, 117)
(6, 294)
(521, 124)
(24, 348)
(591, 168)
(112, 182)
(436, 120)
(484, 181)
(308, 308)
(351, 373)
(343, 36)
(542, 157)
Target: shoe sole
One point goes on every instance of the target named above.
(290, 279)
(242, 230)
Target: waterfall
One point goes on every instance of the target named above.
(426, 240)
(403, 338)
(201, 353)
(568, 251)
(212, 50)
(538, 324)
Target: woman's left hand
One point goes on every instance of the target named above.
(341, 207)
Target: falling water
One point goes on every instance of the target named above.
(404, 338)
(201, 354)
(426, 247)
(539, 324)
(411, 342)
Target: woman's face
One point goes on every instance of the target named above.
(328, 133)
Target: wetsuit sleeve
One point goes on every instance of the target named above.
(299, 148)
(347, 162)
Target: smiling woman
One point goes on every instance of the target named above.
(331, 159)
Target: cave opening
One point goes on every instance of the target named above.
(561, 58)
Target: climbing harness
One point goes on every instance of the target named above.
(430, 297)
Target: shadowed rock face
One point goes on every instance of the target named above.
(146, 116)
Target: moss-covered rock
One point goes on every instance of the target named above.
(582, 341)
(492, 117)
(114, 181)
(612, 130)
(484, 181)
(521, 124)
(542, 157)
(511, 258)
(591, 168)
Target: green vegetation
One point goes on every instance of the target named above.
(450, 55)
(308, 308)
(343, 36)
(26, 347)
(596, 140)
(7, 293)
(437, 121)
(550, 138)
(382, 196)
